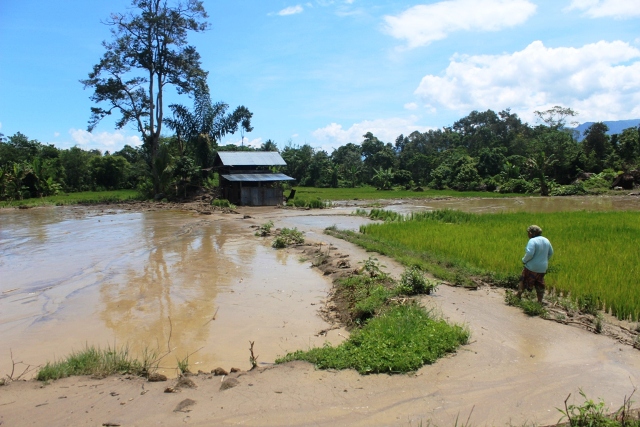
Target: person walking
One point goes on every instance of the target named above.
(536, 262)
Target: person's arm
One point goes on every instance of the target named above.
(550, 251)
(529, 252)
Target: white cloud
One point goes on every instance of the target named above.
(601, 81)
(425, 23)
(410, 106)
(619, 9)
(291, 10)
(103, 141)
(387, 130)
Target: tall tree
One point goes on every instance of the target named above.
(148, 53)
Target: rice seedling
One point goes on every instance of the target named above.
(595, 260)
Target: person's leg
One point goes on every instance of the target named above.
(521, 284)
(540, 287)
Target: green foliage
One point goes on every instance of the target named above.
(413, 282)
(526, 303)
(265, 229)
(403, 339)
(590, 414)
(223, 203)
(314, 203)
(568, 190)
(288, 237)
(84, 197)
(518, 185)
(96, 362)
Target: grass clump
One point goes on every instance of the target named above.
(595, 414)
(96, 362)
(314, 203)
(223, 203)
(287, 237)
(265, 229)
(403, 339)
(527, 303)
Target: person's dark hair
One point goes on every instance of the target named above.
(534, 230)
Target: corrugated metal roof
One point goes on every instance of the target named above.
(261, 177)
(251, 158)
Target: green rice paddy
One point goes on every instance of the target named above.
(596, 253)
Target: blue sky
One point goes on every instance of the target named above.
(324, 72)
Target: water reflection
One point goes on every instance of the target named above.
(153, 280)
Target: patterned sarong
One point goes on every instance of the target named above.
(530, 279)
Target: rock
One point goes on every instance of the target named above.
(235, 370)
(229, 383)
(169, 390)
(156, 377)
(184, 382)
(219, 372)
(185, 405)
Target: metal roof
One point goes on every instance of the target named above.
(261, 177)
(251, 158)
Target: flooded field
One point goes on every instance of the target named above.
(517, 204)
(198, 286)
(205, 286)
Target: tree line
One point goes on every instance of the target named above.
(149, 54)
(484, 151)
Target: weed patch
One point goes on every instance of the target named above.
(403, 339)
(99, 363)
(287, 237)
(526, 303)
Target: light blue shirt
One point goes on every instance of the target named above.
(537, 254)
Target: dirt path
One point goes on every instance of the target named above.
(516, 370)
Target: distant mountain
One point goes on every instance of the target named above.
(616, 126)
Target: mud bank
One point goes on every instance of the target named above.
(515, 370)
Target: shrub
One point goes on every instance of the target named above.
(413, 282)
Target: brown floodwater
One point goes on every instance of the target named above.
(202, 287)
(515, 204)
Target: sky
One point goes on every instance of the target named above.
(325, 72)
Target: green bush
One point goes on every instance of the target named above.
(403, 339)
(413, 282)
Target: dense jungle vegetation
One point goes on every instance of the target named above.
(484, 151)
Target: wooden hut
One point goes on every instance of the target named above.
(246, 178)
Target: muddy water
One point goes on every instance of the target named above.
(517, 204)
(162, 281)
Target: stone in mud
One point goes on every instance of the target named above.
(185, 405)
(229, 383)
(184, 382)
(235, 370)
(219, 372)
(156, 377)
